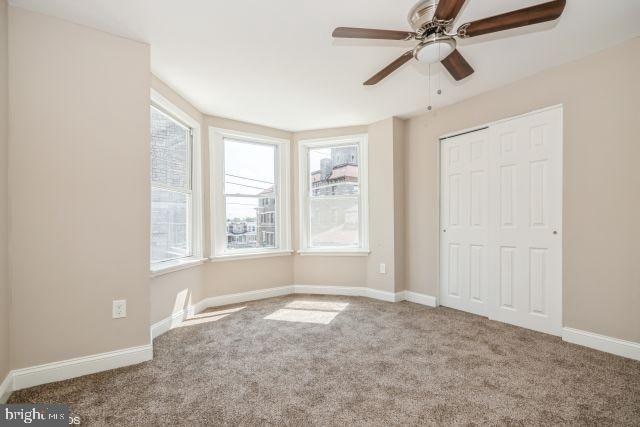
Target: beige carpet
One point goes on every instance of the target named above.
(309, 360)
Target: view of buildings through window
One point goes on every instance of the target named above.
(250, 194)
(334, 197)
(170, 188)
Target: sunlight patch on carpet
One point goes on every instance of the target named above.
(304, 316)
(208, 316)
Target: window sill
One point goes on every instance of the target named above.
(249, 255)
(162, 268)
(353, 252)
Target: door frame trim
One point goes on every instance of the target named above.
(439, 194)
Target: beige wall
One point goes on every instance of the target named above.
(601, 98)
(5, 293)
(173, 292)
(399, 200)
(79, 188)
(381, 206)
(230, 277)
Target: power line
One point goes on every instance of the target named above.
(245, 185)
(250, 179)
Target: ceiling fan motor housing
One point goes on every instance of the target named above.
(421, 15)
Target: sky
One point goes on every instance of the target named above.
(248, 171)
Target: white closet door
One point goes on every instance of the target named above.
(525, 207)
(464, 220)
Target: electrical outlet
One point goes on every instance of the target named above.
(119, 308)
(383, 268)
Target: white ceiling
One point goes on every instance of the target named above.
(274, 62)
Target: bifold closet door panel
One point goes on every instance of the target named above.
(464, 222)
(525, 202)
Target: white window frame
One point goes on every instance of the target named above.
(219, 251)
(196, 208)
(304, 197)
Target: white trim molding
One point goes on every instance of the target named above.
(6, 387)
(241, 297)
(79, 366)
(175, 265)
(604, 343)
(356, 291)
(250, 255)
(172, 321)
(357, 252)
(423, 299)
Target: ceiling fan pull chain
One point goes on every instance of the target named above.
(429, 89)
(439, 59)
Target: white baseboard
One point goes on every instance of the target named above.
(79, 366)
(241, 297)
(423, 299)
(361, 291)
(354, 291)
(604, 343)
(172, 321)
(383, 295)
(6, 387)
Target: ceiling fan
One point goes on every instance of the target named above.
(432, 21)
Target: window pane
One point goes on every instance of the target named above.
(169, 229)
(333, 170)
(251, 221)
(334, 222)
(249, 168)
(169, 151)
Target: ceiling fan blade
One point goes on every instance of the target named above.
(518, 18)
(457, 66)
(389, 68)
(368, 33)
(448, 9)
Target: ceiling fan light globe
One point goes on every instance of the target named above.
(434, 50)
